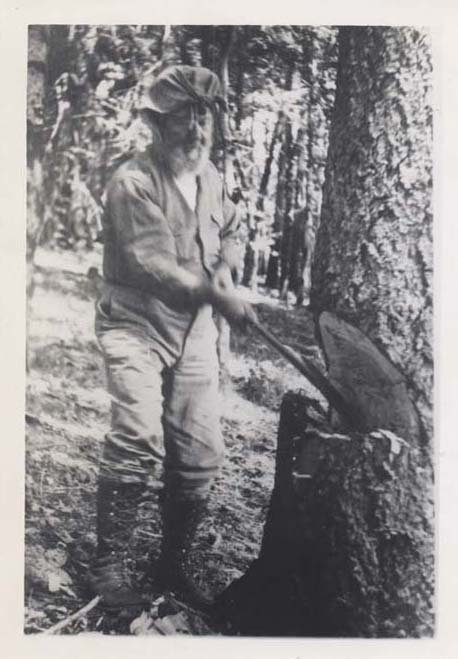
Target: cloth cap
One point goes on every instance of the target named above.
(179, 85)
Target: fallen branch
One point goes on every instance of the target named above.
(74, 616)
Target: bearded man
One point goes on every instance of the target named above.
(170, 244)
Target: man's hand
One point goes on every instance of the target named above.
(236, 311)
(222, 278)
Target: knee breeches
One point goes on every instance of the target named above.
(162, 415)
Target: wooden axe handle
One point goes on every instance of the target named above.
(313, 375)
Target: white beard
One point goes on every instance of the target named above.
(192, 161)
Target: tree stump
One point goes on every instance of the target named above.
(348, 545)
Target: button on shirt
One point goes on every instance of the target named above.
(146, 220)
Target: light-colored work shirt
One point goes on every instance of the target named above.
(147, 221)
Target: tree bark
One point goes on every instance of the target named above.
(348, 543)
(348, 547)
(373, 256)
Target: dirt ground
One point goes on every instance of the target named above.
(67, 415)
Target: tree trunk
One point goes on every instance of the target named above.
(276, 135)
(348, 541)
(251, 261)
(239, 82)
(311, 161)
(36, 98)
(227, 37)
(225, 155)
(300, 253)
(171, 49)
(277, 275)
(348, 547)
(284, 207)
(208, 46)
(58, 60)
(373, 256)
(224, 331)
(275, 271)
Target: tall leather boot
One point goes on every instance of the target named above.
(174, 571)
(110, 574)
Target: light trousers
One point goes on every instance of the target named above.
(161, 416)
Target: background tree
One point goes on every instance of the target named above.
(36, 101)
(302, 157)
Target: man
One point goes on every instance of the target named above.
(169, 249)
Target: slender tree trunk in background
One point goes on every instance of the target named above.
(36, 99)
(58, 59)
(277, 269)
(274, 268)
(171, 48)
(226, 44)
(300, 157)
(373, 259)
(206, 40)
(227, 155)
(285, 197)
(224, 332)
(187, 57)
(240, 82)
(276, 135)
(299, 253)
(311, 202)
(311, 168)
(251, 261)
(310, 76)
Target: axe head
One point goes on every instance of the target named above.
(367, 379)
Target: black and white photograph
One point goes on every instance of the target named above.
(229, 346)
(230, 273)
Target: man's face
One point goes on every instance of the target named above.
(187, 136)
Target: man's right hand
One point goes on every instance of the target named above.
(237, 312)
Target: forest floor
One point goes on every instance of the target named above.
(67, 413)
